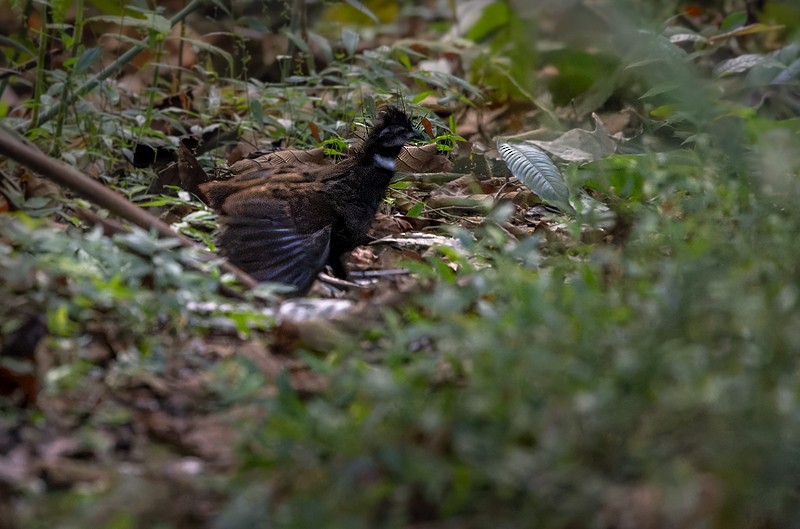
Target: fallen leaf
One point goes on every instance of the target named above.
(578, 145)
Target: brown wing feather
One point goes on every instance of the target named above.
(271, 238)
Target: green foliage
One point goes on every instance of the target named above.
(552, 384)
(645, 357)
(508, 66)
(541, 392)
(132, 281)
(578, 71)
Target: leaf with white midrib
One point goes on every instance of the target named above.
(534, 168)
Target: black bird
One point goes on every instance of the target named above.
(285, 224)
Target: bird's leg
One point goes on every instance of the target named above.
(337, 266)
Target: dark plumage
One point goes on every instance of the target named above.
(286, 224)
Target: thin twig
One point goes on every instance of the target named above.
(336, 282)
(372, 274)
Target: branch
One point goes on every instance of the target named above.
(98, 194)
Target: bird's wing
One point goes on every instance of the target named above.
(265, 238)
(216, 192)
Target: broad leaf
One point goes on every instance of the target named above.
(86, 60)
(539, 174)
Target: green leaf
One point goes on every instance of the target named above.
(298, 41)
(59, 9)
(254, 23)
(11, 43)
(416, 210)
(578, 72)
(661, 88)
(256, 112)
(322, 45)
(349, 41)
(417, 99)
(205, 46)
(734, 21)
(86, 60)
(363, 10)
(494, 17)
(110, 7)
(539, 174)
(58, 320)
(37, 202)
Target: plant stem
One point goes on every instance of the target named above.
(297, 26)
(41, 67)
(77, 33)
(151, 92)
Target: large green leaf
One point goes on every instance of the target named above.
(539, 174)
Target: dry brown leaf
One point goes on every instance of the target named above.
(18, 381)
(426, 124)
(422, 159)
(256, 352)
(20, 388)
(213, 437)
(65, 472)
(393, 258)
(361, 258)
(314, 128)
(468, 184)
(308, 384)
(617, 122)
(35, 186)
(396, 224)
(475, 120)
(579, 145)
(464, 203)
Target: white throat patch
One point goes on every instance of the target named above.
(384, 162)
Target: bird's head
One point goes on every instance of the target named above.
(391, 129)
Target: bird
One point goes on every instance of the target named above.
(285, 224)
